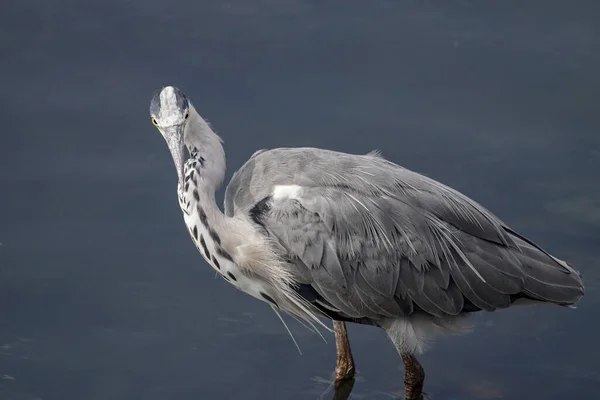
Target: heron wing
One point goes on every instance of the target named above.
(370, 239)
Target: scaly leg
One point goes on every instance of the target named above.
(344, 368)
(414, 377)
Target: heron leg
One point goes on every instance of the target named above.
(344, 368)
(414, 377)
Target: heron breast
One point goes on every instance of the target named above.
(208, 243)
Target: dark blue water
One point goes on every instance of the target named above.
(103, 294)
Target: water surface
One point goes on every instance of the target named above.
(103, 294)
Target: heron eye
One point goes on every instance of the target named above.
(154, 121)
(187, 115)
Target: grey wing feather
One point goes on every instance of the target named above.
(377, 240)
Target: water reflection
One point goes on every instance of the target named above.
(343, 389)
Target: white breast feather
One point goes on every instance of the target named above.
(252, 253)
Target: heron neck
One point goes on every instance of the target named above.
(207, 203)
(206, 146)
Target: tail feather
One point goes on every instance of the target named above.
(547, 278)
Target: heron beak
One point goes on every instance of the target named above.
(174, 137)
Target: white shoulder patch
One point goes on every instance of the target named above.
(281, 192)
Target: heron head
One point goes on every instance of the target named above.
(170, 112)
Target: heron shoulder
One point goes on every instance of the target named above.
(276, 171)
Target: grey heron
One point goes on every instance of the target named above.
(353, 238)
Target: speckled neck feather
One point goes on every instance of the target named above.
(233, 246)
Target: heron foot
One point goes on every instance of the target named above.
(414, 377)
(344, 368)
(344, 372)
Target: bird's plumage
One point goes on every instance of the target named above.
(352, 237)
(369, 240)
